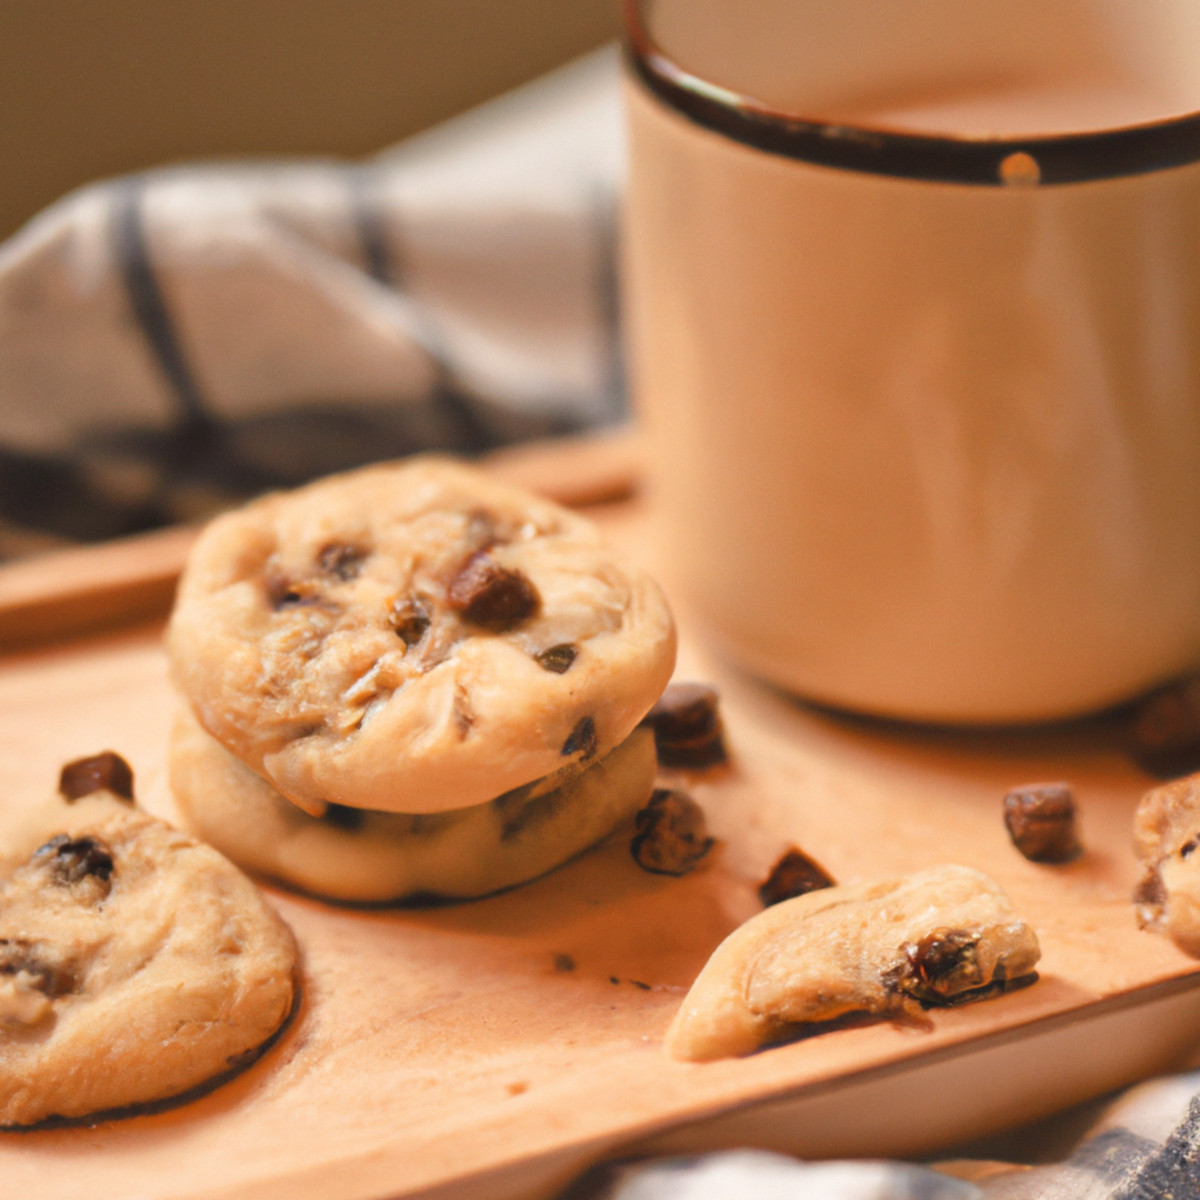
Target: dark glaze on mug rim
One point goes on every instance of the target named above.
(1000, 161)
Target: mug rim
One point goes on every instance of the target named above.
(999, 161)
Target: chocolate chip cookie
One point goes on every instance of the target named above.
(414, 638)
(361, 856)
(135, 962)
(937, 937)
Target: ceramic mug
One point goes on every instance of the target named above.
(912, 297)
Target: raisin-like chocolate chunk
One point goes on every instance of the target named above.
(284, 592)
(582, 739)
(941, 966)
(793, 875)
(558, 659)
(19, 956)
(99, 773)
(410, 619)
(1041, 822)
(71, 860)
(687, 727)
(671, 836)
(341, 560)
(1165, 730)
(492, 596)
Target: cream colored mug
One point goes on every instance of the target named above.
(912, 293)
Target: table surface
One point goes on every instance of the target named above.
(446, 1052)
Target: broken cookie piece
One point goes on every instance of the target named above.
(135, 963)
(941, 936)
(1166, 837)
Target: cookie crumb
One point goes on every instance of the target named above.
(793, 875)
(1041, 820)
(672, 836)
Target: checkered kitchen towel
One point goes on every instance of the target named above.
(175, 341)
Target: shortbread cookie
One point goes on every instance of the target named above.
(937, 937)
(360, 856)
(414, 638)
(1166, 837)
(135, 964)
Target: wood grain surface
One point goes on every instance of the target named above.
(495, 1048)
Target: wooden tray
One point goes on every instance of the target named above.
(495, 1048)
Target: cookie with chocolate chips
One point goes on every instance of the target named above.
(135, 963)
(941, 936)
(362, 856)
(414, 638)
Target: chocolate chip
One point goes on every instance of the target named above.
(687, 727)
(410, 619)
(671, 835)
(1040, 819)
(342, 816)
(564, 962)
(795, 874)
(582, 739)
(341, 560)
(492, 596)
(71, 860)
(558, 659)
(1150, 892)
(18, 956)
(101, 772)
(941, 965)
(285, 592)
(1165, 730)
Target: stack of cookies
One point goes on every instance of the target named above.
(412, 681)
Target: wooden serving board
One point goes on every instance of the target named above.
(496, 1048)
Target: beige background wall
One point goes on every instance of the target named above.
(90, 88)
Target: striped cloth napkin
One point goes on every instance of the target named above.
(1145, 1145)
(178, 340)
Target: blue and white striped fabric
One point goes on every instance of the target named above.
(1145, 1145)
(177, 340)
